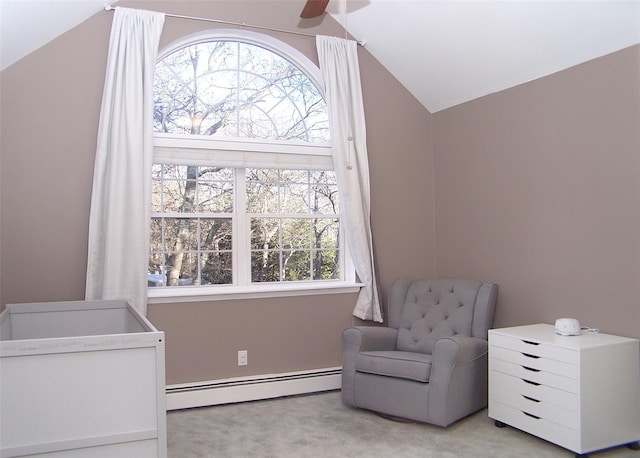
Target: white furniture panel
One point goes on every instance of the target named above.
(541, 427)
(544, 364)
(503, 383)
(579, 392)
(534, 373)
(81, 379)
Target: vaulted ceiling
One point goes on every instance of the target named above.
(444, 52)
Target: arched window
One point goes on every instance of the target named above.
(237, 89)
(244, 197)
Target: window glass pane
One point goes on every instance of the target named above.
(191, 250)
(295, 176)
(262, 197)
(156, 239)
(157, 273)
(325, 201)
(296, 234)
(194, 89)
(295, 182)
(326, 233)
(324, 193)
(216, 174)
(182, 269)
(296, 198)
(180, 234)
(265, 233)
(259, 92)
(291, 191)
(292, 239)
(296, 265)
(263, 192)
(326, 265)
(216, 268)
(186, 189)
(179, 240)
(175, 172)
(215, 190)
(215, 234)
(156, 188)
(265, 266)
(174, 196)
(237, 90)
(263, 175)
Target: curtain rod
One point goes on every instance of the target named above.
(239, 24)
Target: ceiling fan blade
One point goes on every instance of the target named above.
(313, 8)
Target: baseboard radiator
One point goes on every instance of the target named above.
(242, 389)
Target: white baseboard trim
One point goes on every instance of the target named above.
(240, 389)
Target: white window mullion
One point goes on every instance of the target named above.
(237, 104)
(241, 232)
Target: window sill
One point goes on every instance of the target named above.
(220, 293)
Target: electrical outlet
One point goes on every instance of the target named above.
(242, 358)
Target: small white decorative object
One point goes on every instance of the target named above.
(567, 327)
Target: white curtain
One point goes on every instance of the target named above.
(341, 73)
(120, 203)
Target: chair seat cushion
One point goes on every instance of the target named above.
(400, 364)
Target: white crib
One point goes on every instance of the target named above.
(81, 379)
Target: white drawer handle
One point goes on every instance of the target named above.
(530, 382)
(528, 398)
(530, 415)
(531, 369)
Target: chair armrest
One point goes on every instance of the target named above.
(369, 338)
(457, 350)
(458, 381)
(357, 339)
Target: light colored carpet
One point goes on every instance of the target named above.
(319, 425)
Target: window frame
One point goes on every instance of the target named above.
(257, 153)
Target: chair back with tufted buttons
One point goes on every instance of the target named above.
(426, 310)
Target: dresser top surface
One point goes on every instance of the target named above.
(545, 333)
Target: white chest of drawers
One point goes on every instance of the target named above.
(579, 392)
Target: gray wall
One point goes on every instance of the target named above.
(538, 188)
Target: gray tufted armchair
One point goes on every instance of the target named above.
(430, 363)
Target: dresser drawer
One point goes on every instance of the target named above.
(500, 381)
(536, 407)
(541, 427)
(541, 363)
(532, 347)
(534, 375)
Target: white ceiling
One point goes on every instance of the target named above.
(445, 52)
(450, 52)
